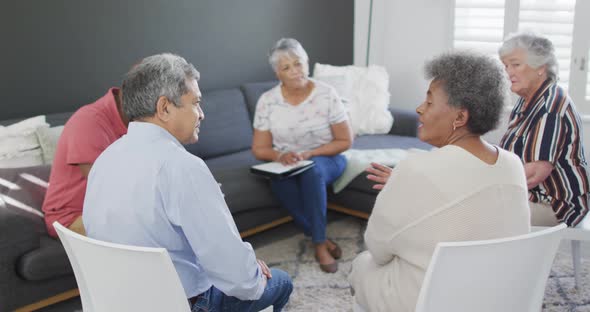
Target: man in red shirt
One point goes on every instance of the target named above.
(87, 133)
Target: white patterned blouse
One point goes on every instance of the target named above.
(303, 127)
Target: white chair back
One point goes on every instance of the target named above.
(507, 274)
(113, 277)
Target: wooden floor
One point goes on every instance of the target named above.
(49, 301)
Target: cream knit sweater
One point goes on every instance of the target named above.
(440, 196)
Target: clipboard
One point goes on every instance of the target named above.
(276, 170)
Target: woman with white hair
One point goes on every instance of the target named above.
(545, 131)
(301, 119)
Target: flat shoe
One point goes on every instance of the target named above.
(329, 268)
(336, 253)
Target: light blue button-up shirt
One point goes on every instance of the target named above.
(147, 190)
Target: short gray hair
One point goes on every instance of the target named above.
(286, 46)
(155, 76)
(474, 82)
(539, 50)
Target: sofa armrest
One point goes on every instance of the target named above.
(21, 221)
(19, 239)
(405, 122)
(18, 235)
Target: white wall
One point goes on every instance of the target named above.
(404, 35)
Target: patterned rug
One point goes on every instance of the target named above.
(318, 291)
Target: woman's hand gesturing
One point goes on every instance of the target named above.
(379, 174)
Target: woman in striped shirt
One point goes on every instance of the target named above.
(545, 131)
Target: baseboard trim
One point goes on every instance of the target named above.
(49, 301)
(348, 211)
(266, 226)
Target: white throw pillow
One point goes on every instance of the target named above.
(48, 138)
(12, 145)
(367, 91)
(341, 83)
(26, 126)
(19, 146)
(23, 159)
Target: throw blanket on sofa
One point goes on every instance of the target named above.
(359, 160)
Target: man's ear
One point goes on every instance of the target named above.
(462, 118)
(163, 108)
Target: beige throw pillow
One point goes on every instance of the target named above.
(48, 138)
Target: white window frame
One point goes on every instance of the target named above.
(579, 71)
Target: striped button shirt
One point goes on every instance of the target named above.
(549, 129)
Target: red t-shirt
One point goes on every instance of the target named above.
(87, 133)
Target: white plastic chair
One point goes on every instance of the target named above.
(507, 274)
(114, 277)
(576, 234)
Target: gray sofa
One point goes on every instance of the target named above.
(34, 269)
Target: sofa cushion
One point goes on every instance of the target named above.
(22, 191)
(361, 183)
(406, 122)
(253, 91)
(58, 119)
(381, 141)
(48, 261)
(234, 160)
(243, 190)
(226, 127)
(353, 199)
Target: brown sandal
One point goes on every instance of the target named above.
(336, 252)
(328, 268)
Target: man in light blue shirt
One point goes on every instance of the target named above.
(147, 190)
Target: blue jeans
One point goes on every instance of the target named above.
(276, 293)
(305, 195)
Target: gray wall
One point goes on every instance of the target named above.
(58, 55)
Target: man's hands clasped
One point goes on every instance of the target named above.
(378, 173)
(265, 270)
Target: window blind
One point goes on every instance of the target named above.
(479, 25)
(554, 19)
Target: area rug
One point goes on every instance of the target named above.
(318, 291)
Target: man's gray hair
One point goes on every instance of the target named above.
(286, 46)
(155, 76)
(539, 51)
(474, 82)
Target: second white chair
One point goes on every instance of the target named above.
(507, 274)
